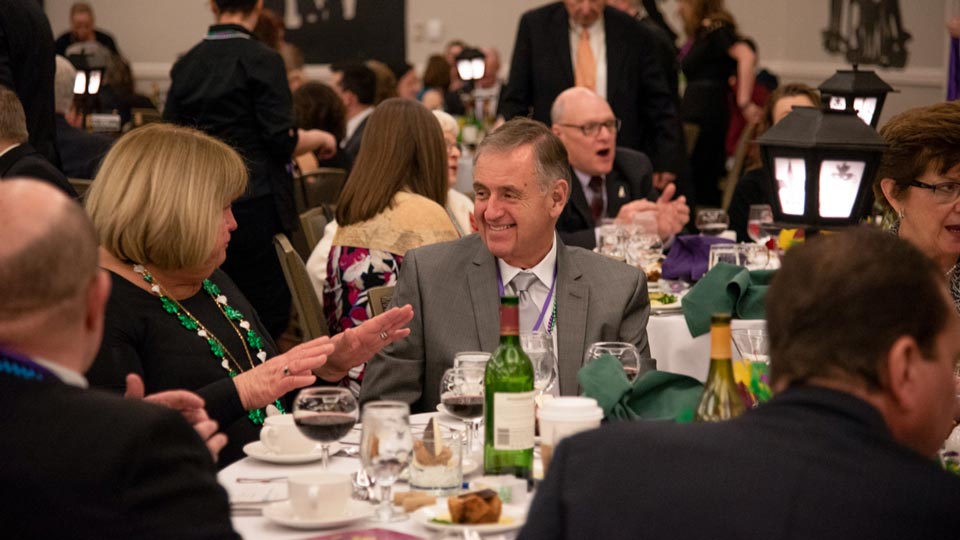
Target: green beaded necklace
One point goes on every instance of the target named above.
(217, 348)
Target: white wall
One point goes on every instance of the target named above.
(153, 33)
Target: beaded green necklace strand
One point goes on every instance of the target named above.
(217, 348)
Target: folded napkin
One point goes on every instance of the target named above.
(656, 395)
(728, 289)
(688, 257)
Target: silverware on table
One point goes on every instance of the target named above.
(242, 480)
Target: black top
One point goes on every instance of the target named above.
(140, 337)
(235, 88)
(708, 67)
(753, 188)
(80, 152)
(67, 39)
(84, 464)
(810, 463)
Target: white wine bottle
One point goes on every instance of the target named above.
(509, 414)
(721, 400)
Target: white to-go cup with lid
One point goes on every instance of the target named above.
(564, 416)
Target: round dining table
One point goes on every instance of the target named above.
(677, 351)
(248, 521)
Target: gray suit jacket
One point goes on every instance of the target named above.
(453, 290)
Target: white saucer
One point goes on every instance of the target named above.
(281, 512)
(511, 518)
(257, 450)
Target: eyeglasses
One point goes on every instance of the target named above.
(591, 129)
(944, 192)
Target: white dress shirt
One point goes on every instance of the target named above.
(67, 375)
(354, 123)
(598, 44)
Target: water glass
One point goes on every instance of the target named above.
(712, 221)
(760, 214)
(539, 347)
(386, 446)
(610, 242)
(644, 246)
(474, 359)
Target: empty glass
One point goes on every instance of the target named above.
(386, 445)
(752, 372)
(760, 214)
(625, 353)
(749, 256)
(610, 242)
(644, 245)
(539, 347)
(712, 221)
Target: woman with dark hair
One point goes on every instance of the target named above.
(317, 106)
(753, 187)
(436, 80)
(392, 202)
(119, 93)
(713, 53)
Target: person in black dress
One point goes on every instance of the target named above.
(161, 204)
(713, 54)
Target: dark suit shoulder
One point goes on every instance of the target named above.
(25, 161)
(628, 158)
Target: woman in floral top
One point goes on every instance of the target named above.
(392, 202)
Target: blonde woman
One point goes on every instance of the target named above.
(161, 205)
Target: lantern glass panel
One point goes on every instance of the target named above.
(838, 103)
(791, 175)
(94, 85)
(80, 83)
(866, 107)
(839, 183)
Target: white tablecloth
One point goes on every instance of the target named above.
(677, 351)
(258, 527)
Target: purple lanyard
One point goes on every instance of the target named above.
(546, 303)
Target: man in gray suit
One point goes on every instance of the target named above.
(522, 182)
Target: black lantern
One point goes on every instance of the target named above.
(862, 91)
(820, 165)
(470, 66)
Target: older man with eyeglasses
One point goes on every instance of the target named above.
(609, 182)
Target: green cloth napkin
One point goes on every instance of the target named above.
(726, 288)
(657, 395)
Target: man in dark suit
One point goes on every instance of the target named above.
(17, 157)
(27, 68)
(550, 39)
(521, 185)
(356, 84)
(863, 341)
(607, 181)
(79, 463)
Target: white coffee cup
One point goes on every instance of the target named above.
(564, 416)
(281, 436)
(319, 495)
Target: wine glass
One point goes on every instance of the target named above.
(760, 214)
(474, 359)
(539, 347)
(712, 221)
(461, 392)
(325, 415)
(625, 353)
(386, 446)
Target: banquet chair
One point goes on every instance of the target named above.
(739, 159)
(318, 188)
(379, 298)
(80, 184)
(312, 223)
(305, 300)
(690, 134)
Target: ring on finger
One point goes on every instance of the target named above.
(286, 371)
(384, 335)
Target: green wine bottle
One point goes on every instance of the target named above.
(508, 391)
(720, 400)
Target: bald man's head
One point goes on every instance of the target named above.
(587, 127)
(48, 251)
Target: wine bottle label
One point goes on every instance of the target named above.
(513, 420)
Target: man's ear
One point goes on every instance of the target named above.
(214, 8)
(898, 375)
(558, 197)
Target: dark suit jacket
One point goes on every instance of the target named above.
(88, 465)
(452, 287)
(811, 463)
(80, 152)
(636, 85)
(630, 179)
(24, 161)
(352, 145)
(27, 67)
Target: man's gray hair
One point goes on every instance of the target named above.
(550, 157)
(63, 85)
(13, 121)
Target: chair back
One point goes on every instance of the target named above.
(379, 298)
(319, 187)
(141, 116)
(305, 301)
(739, 158)
(312, 223)
(690, 134)
(81, 185)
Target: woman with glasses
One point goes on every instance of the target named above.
(459, 206)
(919, 180)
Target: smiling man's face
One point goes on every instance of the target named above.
(592, 155)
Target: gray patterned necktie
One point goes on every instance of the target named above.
(528, 308)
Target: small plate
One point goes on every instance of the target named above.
(257, 450)
(511, 518)
(667, 308)
(281, 512)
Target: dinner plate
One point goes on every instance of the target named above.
(671, 307)
(257, 450)
(282, 512)
(511, 518)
